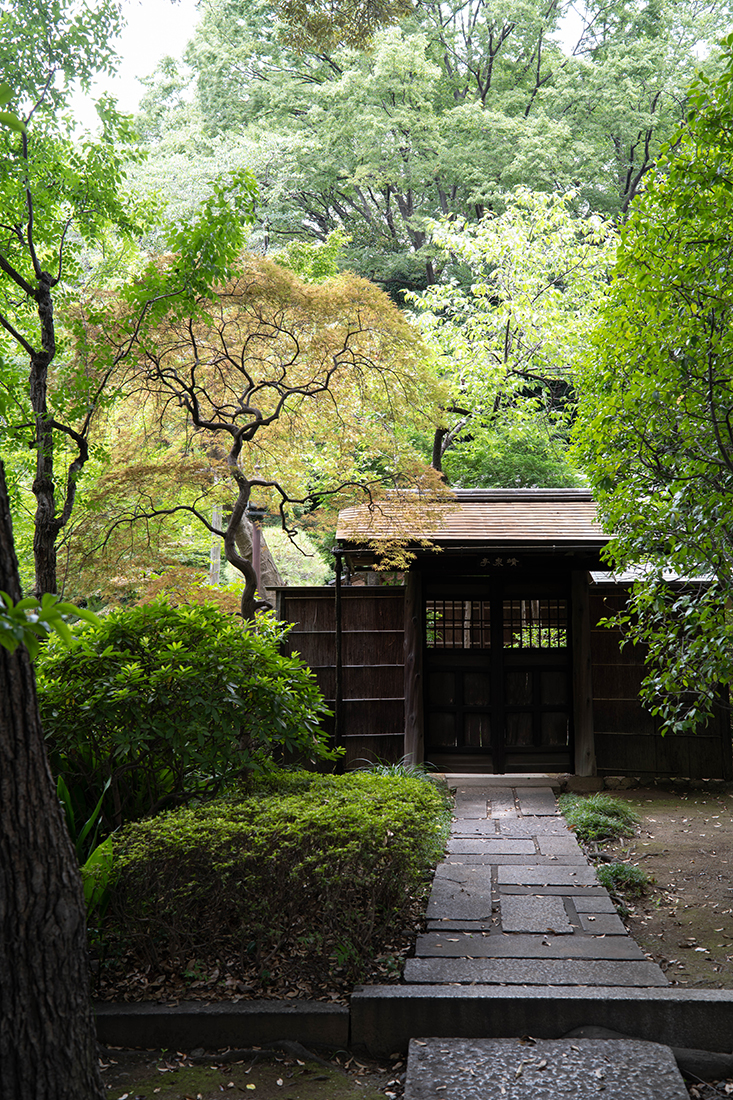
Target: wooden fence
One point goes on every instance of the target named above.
(371, 719)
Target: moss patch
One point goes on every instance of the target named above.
(159, 1076)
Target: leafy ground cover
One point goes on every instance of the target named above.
(597, 817)
(299, 886)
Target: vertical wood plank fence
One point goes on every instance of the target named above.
(373, 662)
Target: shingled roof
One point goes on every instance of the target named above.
(502, 518)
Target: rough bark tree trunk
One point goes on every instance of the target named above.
(47, 1040)
(269, 572)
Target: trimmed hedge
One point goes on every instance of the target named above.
(323, 868)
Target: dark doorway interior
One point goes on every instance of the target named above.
(498, 684)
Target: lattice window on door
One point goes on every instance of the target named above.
(458, 624)
(535, 624)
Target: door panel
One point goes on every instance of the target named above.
(497, 670)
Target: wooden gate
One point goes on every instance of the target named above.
(498, 694)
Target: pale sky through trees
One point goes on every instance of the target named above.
(159, 28)
(155, 28)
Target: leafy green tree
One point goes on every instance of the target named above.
(56, 197)
(46, 1015)
(443, 115)
(60, 197)
(510, 325)
(656, 426)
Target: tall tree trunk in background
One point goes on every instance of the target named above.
(47, 1041)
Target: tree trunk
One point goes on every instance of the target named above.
(47, 1041)
(269, 572)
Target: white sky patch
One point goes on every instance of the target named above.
(155, 29)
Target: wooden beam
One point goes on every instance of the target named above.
(585, 753)
(414, 730)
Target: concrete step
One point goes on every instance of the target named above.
(384, 1018)
(524, 1069)
(537, 801)
(461, 781)
(480, 945)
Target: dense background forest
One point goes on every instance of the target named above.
(340, 248)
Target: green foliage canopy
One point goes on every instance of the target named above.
(656, 414)
(443, 114)
(169, 703)
(510, 322)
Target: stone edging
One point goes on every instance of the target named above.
(581, 784)
(213, 1025)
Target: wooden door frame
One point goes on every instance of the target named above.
(574, 588)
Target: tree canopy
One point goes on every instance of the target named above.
(295, 391)
(656, 412)
(519, 293)
(444, 113)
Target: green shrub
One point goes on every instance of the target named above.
(322, 868)
(170, 702)
(404, 769)
(624, 879)
(598, 817)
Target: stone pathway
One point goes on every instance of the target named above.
(516, 903)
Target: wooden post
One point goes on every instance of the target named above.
(585, 752)
(338, 706)
(414, 729)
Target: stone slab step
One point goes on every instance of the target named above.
(602, 924)
(470, 811)
(550, 875)
(385, 1017)
(502, 803)
(532, 826)
(447, 899)
(450, 944)
(490, 846)
(587, 903)
(521, 913)
(452, 924)
(512, 1069)
(559, 845)
(553, 972)
(461, 781)
(524, 858)
(596, 891)
(537, 801)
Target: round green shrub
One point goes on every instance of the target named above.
(172, 702)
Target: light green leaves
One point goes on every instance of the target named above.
(655, 430)
(29, 622)
(510, 322)
(7, 118)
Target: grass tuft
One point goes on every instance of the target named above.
(624, 879)
(598, 817)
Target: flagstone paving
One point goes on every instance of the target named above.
(516, 902)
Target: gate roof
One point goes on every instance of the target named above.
(523, 518)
